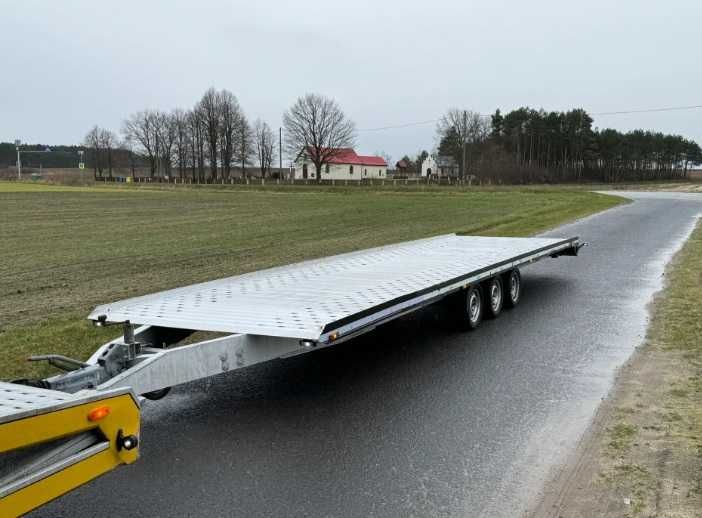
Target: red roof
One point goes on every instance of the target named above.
(372, 160)
(349, 156)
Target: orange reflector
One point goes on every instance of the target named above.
(333, 336)
(98, 413)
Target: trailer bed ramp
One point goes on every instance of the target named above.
(335, 295)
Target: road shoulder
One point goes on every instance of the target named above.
(642, 455)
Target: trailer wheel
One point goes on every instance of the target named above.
(473, 306)
(157, 394)
(512, 288)
(494, 297)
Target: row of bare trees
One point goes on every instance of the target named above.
(209, 140)
(205, 142)
(212, 137)
(102, 144)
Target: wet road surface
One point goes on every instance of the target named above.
(415, 419)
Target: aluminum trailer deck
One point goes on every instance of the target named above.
(265, 315)
(339, 294)
(285, 311)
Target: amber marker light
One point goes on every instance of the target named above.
(98, 413)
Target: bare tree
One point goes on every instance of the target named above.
(210, 112)
(244, 144)
(92, 141)
(179, 120)
(230, 120)
(128, 146)
(197, 143)
(140, 128)
(165, 137)
(461, 128)
(386, 157)
(264, 143)
(108, 141)
(316, 125)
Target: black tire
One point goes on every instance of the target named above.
(512, 282)
(493, 297)
(471, 309)
(157, 394)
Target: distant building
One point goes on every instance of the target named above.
(344, 165)
(440, 166)
(447, 166)
(403, 166)
(429, 167)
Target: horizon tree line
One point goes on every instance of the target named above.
(527, 145)
(522, 146)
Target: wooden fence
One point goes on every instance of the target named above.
(277, 181)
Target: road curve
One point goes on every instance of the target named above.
(414, 419)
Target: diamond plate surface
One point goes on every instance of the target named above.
(18, 398)
(299, 300)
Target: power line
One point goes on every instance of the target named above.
(650, 110)
(398, 126)
(622, 112)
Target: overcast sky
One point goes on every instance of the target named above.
(67, 65)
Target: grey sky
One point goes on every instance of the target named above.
(67, 65)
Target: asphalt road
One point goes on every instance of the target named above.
(415, 419)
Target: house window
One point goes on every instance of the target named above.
(327, 169)
(380, 172)
(350, 169)
(365, 172)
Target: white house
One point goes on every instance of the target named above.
(429, 167)
(344, 165)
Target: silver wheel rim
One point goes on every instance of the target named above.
(514, 287)
(495, 296)
(474, 306)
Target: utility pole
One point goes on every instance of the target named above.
(19, 160)
(280, 151)
(465, 136)
(243, 153)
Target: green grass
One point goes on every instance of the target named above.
(66, 249)
(677, 329)
(621, 436)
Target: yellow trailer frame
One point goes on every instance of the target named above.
(110, 420)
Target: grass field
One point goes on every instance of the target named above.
(66, 249)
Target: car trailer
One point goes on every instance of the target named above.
(57, 433)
